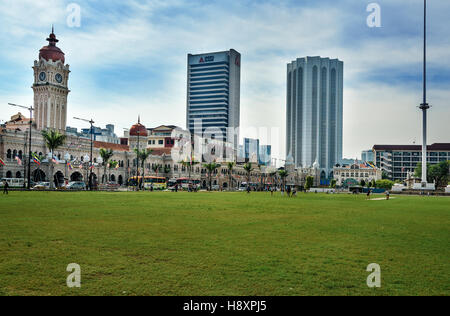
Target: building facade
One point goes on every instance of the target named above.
(314, 116)
(396, 161)
(349, 175)
(213, 95)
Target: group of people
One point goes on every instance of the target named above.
(369, 192)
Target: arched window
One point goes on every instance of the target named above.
(18, 175)
(20, 154)
(8, 174)
(8, 154)
(14, 153)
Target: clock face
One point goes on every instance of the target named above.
(42, 76)
(58, 78)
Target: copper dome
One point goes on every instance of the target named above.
(52, 52)
(138, 129)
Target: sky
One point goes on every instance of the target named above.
(128, 58)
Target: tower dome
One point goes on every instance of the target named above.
(52, 52)
(138, 129)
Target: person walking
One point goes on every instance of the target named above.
(368, 194)
(248, 189)
(5, 187)
(387, 195)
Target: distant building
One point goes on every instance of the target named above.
(314, 116)
(265, 155)
(367, 156)
(251, 150)
(396, 161)
(349, 175)
(161, 136)
(106, 134)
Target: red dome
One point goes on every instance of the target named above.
(52, 52)
(138, 129)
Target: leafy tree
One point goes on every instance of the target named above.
(106, 155)
(440, 173)
(333, 184)
(384, 176)
(384, 184)
(211, 167)
(309, 182)
(53, 140)
(363, 183)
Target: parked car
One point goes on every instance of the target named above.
(215, 187)
(42, 186)
(76, 186)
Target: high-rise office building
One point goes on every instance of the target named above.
(265, 155)
(251, 150)
(213, 95)
(368, 156)
(315, 113)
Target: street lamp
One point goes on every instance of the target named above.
(31, 109)
(99, 163)
(87, 159)
(92, 145)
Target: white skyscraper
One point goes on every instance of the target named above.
(315, 113)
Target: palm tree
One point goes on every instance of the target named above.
(248, 168)
(143, 156)
(283, 175)
(211, 167)
(53, 140)
(230, 166)
(156, 168)
(167, 170)
(112, 165)
(189, 165)
(106, 155)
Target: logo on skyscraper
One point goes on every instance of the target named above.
(238, 61)
(207, 59)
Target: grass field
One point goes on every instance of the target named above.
(222, 244)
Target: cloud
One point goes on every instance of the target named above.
(129, 58)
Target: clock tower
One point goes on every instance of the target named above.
(50, 87)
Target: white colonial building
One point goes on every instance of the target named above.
(347, 175)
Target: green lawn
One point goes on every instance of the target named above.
(222, 244)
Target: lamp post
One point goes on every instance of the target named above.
(87, 159)
(92, 146)
(424, 106)
(66, 158)
(31, 109)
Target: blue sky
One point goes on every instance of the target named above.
(129, 58)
